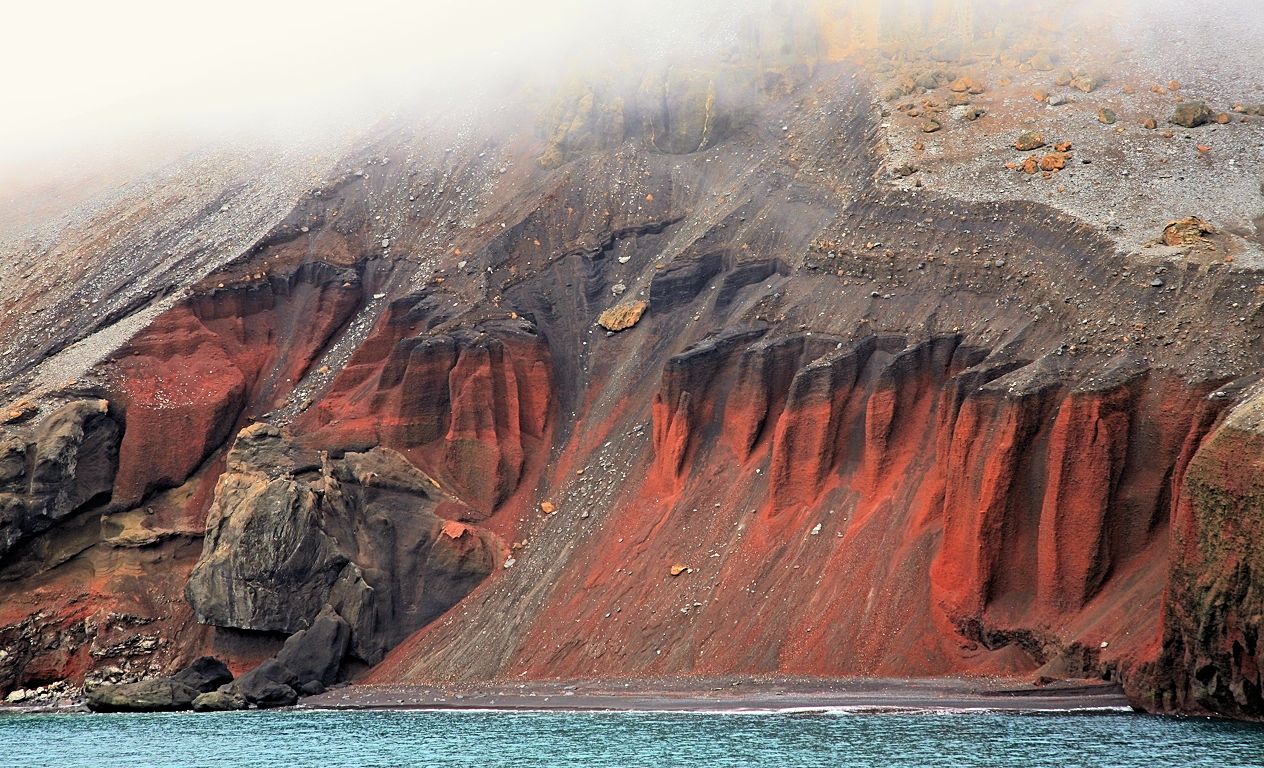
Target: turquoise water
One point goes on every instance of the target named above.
(598, 740)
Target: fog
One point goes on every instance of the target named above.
(88, 82)
(88, 77)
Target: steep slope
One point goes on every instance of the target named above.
(848, 426)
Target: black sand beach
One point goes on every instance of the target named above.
(734, 694)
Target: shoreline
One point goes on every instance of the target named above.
(730, 695)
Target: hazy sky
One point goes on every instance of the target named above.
(82, 74)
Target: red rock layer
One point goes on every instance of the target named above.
(184, 381)
(467, 406)
(862, 508)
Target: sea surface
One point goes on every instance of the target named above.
(597, 740)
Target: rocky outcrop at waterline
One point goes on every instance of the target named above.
(167, 694)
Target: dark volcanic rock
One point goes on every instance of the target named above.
(354, 534)
(315, 653)
(271, 684)
(1212, 617)
(219, 701)
(680, 282)
(161, 695)
(206, 674)
(268, 694)
(52, 471)
(268, 526)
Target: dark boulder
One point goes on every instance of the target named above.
(159, 695)
(308, 662)
(271, 684)
(315, 653)
(268, 694)
(269, 670)
(1191, 114)
(219, 701)
(206, 674)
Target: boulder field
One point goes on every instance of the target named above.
(651, 386)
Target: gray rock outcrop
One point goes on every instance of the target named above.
(344, 554)
(52, 470)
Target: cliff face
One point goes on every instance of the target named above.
(841, 508)
(1209, 660)
(851, 429)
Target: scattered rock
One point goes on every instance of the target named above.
(930, 126)
(968, 113)
(1041, 62)
(1029, 140)
(622, 316)
(21, 412)
(966, 85)
(1191, 114)
(1106, 116)
(1149, 122)
(547, 507)
(1188, 231)
(1088, 81)
(678, 569)
(932, 79)
(1054, 161)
